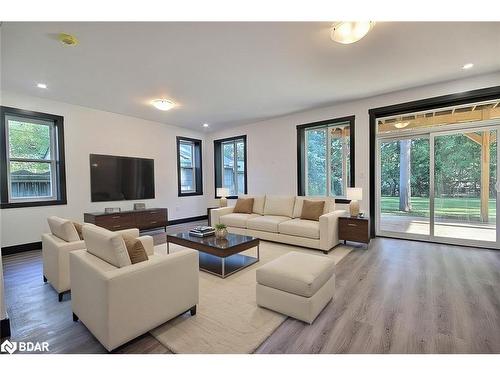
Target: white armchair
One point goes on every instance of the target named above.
(56, 247)
(118, 304)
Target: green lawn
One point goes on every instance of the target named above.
(452, 208)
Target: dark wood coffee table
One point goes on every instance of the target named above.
(219, 257)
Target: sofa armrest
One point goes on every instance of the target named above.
(148, 243)
(329, 228)
(216, 213)
(134, 232)
(55, 255)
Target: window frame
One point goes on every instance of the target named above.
(57, 161)
(197, 167)
(218, 163)
(301, 154)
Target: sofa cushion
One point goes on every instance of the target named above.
(297, 273)
(236, 220)
(300, 228)
(267, 223)
(258, 203)
(63, 229)
(135, 248)
(312, 210)
(329, 204)
(243, 206)
(279, 205)
(107, 245)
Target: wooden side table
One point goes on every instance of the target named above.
(356, 229)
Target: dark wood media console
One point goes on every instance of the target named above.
(151, 218)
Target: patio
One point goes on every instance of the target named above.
(452, 228)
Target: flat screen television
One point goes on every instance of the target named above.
(118, 178)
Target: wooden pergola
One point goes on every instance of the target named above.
(484, 139)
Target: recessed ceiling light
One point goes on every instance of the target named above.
(205, 125)
(468, 66)
(350, 32)
(41, 85)
(163, 104)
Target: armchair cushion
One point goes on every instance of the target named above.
(106, 245)
(63, 229)
(135, 249)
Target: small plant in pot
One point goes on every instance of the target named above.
(220, 231)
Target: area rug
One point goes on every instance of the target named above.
(228, 319)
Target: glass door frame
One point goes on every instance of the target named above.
(431, 133)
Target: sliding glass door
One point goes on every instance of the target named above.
(404, 185)
(464, 167)
(436, 175)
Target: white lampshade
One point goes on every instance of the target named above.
(355, 194)
(222, 192)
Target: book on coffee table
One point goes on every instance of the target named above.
(202, 231)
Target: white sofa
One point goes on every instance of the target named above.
(119, 301)
(277, 218)
(56, 247)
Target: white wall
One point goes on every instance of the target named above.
(272, 144)
(89, 131)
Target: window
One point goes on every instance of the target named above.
(326, 157)
(231, 165)
(32, 159)
(189, 169)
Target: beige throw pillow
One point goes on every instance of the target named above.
(78, 228)
(135, 249)
(243, 206)
(312, 210)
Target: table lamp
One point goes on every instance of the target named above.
(222, 193)
(355, 195)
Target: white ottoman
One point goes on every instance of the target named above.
(298, 285)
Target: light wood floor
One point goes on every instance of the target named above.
(396, 297)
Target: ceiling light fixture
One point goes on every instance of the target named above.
(205, 125)
(401, 125)
(41, 85)
(467, 66)
(163, 104)
(68, 39)
(349, 32)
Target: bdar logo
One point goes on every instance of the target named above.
(8, 347)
